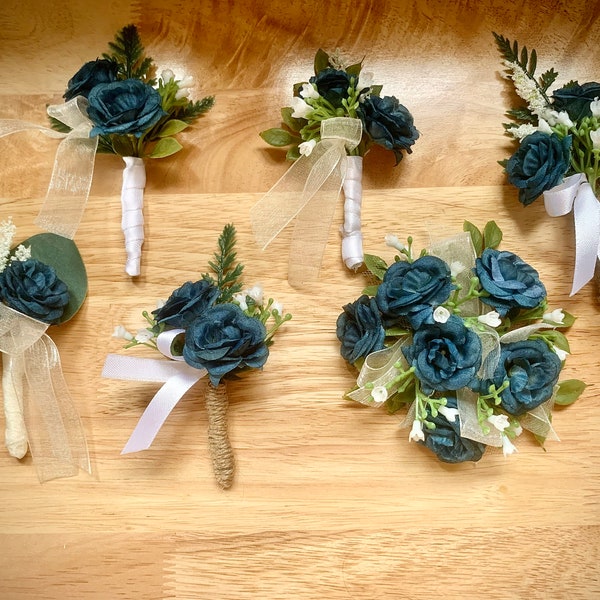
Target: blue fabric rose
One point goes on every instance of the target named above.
(33, 288)
(532, 370)
(224, 338)
(89, 76)
(332, 85)
(122, 107)
(576, 99)
(412, 290)
(446, 356)
(359, 329)
(539, 164)
(389, 124)
(509, 281)
(186, 303)
(446, 442)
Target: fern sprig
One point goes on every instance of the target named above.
(128, 51)
(193, 110)
(224, 266)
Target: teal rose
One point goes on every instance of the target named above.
(359, 329)
(539, 164)
(224, 339)
(509, 281)
(92, 73)
(446, 356)
(332, 84)
(124, 107)
(34, 289)
(575, 99)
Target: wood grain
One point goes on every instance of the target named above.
(330, 500)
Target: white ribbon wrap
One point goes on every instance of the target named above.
(307, 192)
(53, 428)
(73, 169)
(132, 204)
(178, 377)
(352, 249)
(575, 194)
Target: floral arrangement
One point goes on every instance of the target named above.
(217, 327)
(463, 336)
(559, 147)
(339, 107)
(42, 282)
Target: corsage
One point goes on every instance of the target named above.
(463, 338)
(42, 282)
(336, 117)
(559, 150)
(212, 327)
(116, 105)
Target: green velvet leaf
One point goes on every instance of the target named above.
(376, 265)
(278, 137)
(569, 391)
(476, 236)
(492, 235)
(321, 61)
(172, 127)
(165, 147)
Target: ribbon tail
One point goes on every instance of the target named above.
(587, 236)
(56, 437)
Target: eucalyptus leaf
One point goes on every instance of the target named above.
(172, 127)
(568, 391)
(165, 147)
(278, 137)
(62, 254)
(492, 235)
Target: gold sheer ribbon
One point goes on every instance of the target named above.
(54, 431)
(307, 193)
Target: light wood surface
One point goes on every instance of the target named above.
(330, 500)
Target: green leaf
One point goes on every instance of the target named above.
(376, 265)
(568, 320)
(376, 90)
(400, 399)
(492, 235)
(224, 266)
(278, 137)
(165, 147)
(194, 110)
(293, 153)
(569, 391)
(476, 236)
(172, 127)
(321, 60)
(354, 70)
(547, 79)
(62, 254)
(370, 290)
(554, 337)
(292, 122)
(532, 63)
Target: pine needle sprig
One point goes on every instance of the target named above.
(128, 51)
(224, 266)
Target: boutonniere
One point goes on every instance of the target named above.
(335, 118)
(42, 283)
(213, 327)
(115, 104)
(462, 337)
(558, 157)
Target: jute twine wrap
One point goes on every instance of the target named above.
(218, 440)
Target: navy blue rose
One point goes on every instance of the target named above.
(446, 356)
(532, 370)
(359, 329)
(446, 442)
(509, 281)
(412, 290)
(185, 304)
(122, 107)
(332, 85)
(223, 339)
(576, 99)
(539, 164)
(89, 76)
(389, 124)
(33, 288)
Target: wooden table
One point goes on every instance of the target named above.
(330, 500)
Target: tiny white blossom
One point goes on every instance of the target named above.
(526, 88)
(556, 316)
(365, 80)
(379, 393)
(492, 319)
(121, 332)
(595, 107)
(449, 413)
(416, 433)
(456, 268)
(393, 241)
(256, 293)
(595, 137)
(522, 130)
(21, 253)
(278, 306)
(7, 232)
(507, 446)
(143, 335)
(564, 119)
(185, 86)
(562, 354)
(240, 298)
(167, 75)
(500, 422)
(518, 430)
(441, 314)
(305, 148)
(308, 90)
(544, 127)
(301, 108)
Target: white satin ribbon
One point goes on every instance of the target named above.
(54, 431)
(352, 248)
(307, 192)
(575, 194)
(71, 179)
(132, 219)
(178, 377)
